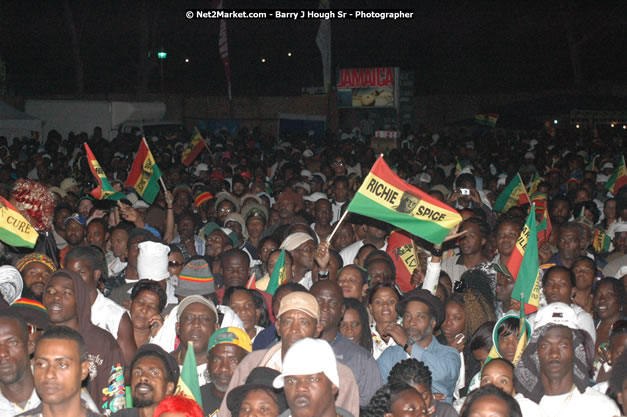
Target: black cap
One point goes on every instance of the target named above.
(150, 349)
(418, 294)
(259, 379)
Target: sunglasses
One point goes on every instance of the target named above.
(174, 264)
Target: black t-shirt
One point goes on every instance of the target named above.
(127, 412)
(210, 402)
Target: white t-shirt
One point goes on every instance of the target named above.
(107, 314)
(575, 404)
(350, 252)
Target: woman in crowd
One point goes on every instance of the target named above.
(490, 401)
(608, 301)
(148, 300)
(382, 299)
(584, 269)
(242, 302)
(354, 324)
(464, 314)
(397, 400)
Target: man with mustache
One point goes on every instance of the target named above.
(422, 314)
(17, 388)
(554, 368)
(197, 320)
(310, 385)
(154, 374)
(227, 347)
(298, 318)
(60, 364)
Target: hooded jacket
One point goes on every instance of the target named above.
(106, 363)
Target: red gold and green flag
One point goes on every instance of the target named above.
(488, 119)
(145, 174)
(524, 266)
(533, 187)
(196, 145)
(403, 253)
(15, 230)
(618, 178)
(104, 191)
(601, 241)
(386, 197)
(188, 381)
(279, 275)
(513, 195)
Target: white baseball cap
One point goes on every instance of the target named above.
(298, 361)
(557, 313)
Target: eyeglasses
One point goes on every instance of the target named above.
(225, 210)
(174, 264)
(338, 163)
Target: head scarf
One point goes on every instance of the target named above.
(527, 372)
(34, 200)
(11, 283)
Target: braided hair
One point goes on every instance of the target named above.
(412, 372)
(381, 401)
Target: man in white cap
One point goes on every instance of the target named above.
(302, 248)
(197, 319)
(298, 318)
(554, 368)
(310, 386)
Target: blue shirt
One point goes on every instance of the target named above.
(363, 365)
(443, 362)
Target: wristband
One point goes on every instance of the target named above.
(324, 274)
(437, 252)
(407, 345)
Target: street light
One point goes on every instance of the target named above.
(162, 55)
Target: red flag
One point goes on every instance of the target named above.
(251, 282)
(401, 250)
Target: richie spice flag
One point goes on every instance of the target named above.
(188, 381)
(145, 174)
(513, 195)
(524, 265)
(279, 276)
(104, 191)
(384, 196)
(618, 178)
(192, 150)
(15, 230)
(403, 253)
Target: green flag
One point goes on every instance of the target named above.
(188, 381)
(279, 275)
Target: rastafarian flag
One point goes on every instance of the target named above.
(105, 190)
(15, 230)
(384, 196)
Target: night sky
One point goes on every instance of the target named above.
(460, 47)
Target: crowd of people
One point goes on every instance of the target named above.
(100, 317)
